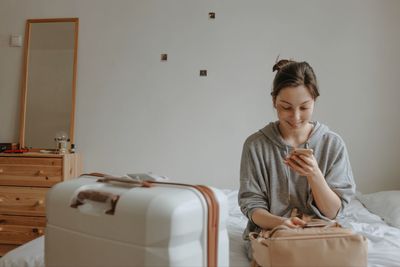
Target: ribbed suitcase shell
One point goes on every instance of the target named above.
(164, 225)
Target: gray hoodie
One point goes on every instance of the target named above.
(267, 182)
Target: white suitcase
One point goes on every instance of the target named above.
(94, 221)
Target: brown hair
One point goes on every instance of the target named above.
(291, 73)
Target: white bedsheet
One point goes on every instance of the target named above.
(383, 240)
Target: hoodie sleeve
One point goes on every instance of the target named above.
(339, 175)
(252, 184)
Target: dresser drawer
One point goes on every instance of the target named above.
(31, 161)
(38, 221)
(30, 171)
(22, 200)
(15, 230)
(19, 234)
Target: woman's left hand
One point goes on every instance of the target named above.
(305, 165)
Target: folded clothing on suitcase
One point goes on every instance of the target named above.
(109, 221)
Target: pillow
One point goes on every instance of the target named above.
(385, 204)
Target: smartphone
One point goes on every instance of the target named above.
(303, 151)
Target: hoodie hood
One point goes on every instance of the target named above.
(271, 131)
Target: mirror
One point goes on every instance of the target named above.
(48, 82)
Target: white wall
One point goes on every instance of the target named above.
(135, 113)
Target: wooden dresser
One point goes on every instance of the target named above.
(24, 182)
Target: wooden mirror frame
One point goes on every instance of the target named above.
(25, 71)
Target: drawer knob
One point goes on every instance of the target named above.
(40, 202)
(40, 172)
(37, 231)
(1, 171)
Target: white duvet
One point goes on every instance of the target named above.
(383, 240)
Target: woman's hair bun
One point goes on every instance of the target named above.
(281, 63)
(291, 73)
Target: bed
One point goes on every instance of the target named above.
(383, 239)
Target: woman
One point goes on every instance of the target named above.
(274, 181)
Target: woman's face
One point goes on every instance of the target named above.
(294, 106)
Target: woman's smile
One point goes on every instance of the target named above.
(297, 124)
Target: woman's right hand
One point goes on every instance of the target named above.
(265, 220)
(294, 222)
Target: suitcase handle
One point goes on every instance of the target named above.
(96, 196)
(105, 178)
(112, 179)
